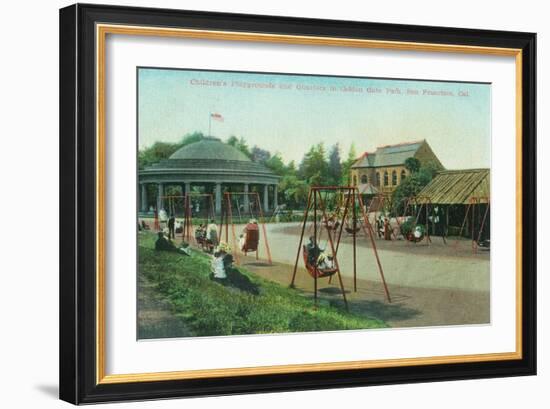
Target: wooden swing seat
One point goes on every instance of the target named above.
(316, 271)
(332, 225)
(351, 230)
(252, 238)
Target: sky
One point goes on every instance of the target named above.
(289, 113)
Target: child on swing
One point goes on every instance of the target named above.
(252, 225)
(317, 256)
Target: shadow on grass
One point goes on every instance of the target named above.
(332, 291)
(383, 310)
(238, 280)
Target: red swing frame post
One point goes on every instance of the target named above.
(428, 202)
(227, 212)
(313, 196)
(383, 200)
(487, 212)
(407, 201)
(187, 233)
(424, 202)
(380, 198)
(353, 193)
(373, 243)
(170, 197)
(407, 204)
(472, 203)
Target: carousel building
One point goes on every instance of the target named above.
(213, 165)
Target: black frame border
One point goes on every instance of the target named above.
(78, 197)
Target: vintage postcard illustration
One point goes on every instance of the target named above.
(275, 203)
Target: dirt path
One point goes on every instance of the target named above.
(410, 306)
(155, 318)
(436, 246)
(403, 264)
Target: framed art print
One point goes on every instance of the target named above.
(257, 203)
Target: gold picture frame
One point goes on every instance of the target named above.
(98, 20)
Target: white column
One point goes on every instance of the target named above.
(218, 198)
(246, 199)
(266, 199)
(187, 188)
(160, 199)
(143, 188)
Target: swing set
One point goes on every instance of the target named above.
(188, 231)
(174, 202)
(475, 203)
(251, 234)
(339, 218)
(382, 204)
(418, 204)
(317, 207)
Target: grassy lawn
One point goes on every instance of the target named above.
(246, 304)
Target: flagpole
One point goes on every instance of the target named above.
(209, 123)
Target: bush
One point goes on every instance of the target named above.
(409, 227)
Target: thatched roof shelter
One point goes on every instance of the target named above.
(451, 187)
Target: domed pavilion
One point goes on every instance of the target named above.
(214, 165)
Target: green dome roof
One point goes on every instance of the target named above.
(210, 148)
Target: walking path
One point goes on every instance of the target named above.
(429, 285)
(402, 265)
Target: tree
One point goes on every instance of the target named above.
(243, 147)
(412, 164)
(191, 138)
(259, 155)
(346, 166)
(293, 190)
(411, 186)
(314, 166)
(291, 168)
(240, 144)
(276, 164)
(155, 153)
(163, 150)
(232, 140)
(335, 165)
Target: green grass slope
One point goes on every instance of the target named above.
(247, 304)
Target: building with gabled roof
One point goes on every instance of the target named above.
(383, 170)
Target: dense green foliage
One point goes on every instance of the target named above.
(318, 167)
(247, 305)
(412, 165)
(162, 150)
(411, 186)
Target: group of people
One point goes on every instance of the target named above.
(165, 243)
(383, 227)
(207, 235)
(221, 257)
